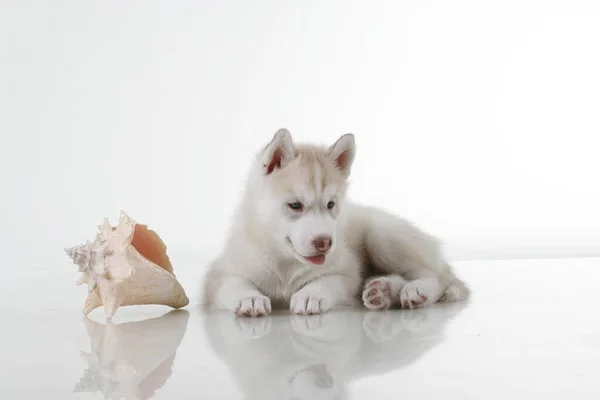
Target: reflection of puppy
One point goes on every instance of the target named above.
(314, 381)
(395, 340)
(132, 360)
(287, 356)
(315, 357)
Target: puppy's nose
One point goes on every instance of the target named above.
(322, 243)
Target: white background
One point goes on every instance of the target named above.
(478, 120)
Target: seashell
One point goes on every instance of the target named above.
(126, 265)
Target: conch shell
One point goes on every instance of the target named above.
(126, 265)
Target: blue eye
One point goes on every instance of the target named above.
(296, 206)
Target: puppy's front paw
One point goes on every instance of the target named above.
(308, 304)
(254, 306)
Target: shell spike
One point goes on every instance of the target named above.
(124, 218)
(105, 229)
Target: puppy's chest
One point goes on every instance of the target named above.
(281, 283)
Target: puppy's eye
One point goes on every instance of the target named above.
(296, 206)
(330, 205)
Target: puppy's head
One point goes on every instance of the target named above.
(303, 190)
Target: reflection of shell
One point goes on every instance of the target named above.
(126, 265)
(132, 360)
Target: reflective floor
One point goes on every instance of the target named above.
(531, 330)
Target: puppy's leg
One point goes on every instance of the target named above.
(424, 288)
(323, 294)
(383, 292)
(242, 297)
(398, 248)
(455, 288)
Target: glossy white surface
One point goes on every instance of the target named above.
(531, 330)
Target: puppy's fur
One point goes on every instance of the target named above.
(297, 242)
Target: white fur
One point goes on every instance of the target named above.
(264, 262)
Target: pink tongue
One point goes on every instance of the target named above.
(318, 260)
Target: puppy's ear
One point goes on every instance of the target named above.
(342, 152)
(278, 152)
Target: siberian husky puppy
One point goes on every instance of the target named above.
(297, 242)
